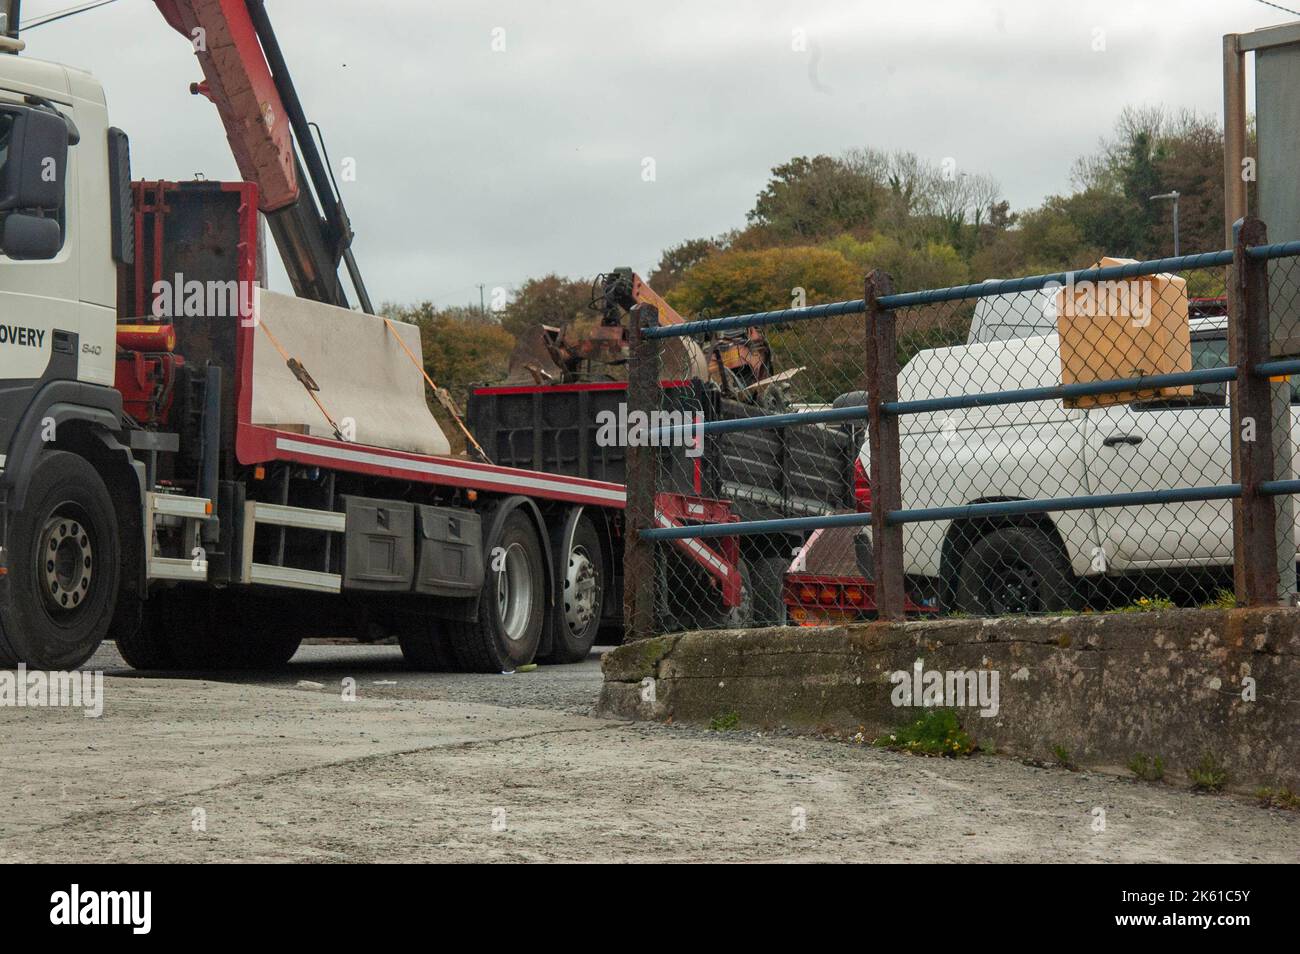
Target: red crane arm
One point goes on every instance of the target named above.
(239, 82)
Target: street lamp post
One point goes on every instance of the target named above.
(1174, 196)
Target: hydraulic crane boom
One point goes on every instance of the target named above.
(246, 77)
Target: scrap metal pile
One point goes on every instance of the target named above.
(739, 364)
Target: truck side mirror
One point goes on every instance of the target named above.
(30, 237)
(32, 177)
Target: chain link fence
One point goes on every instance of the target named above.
(1064, 444)
(738, 474)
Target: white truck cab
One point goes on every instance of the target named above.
(51, 303)
(70, 490)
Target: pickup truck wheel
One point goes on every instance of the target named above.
(508, 626)
(576, 614)
(64, 565)
(1014, 571)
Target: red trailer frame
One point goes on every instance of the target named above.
(258, 444)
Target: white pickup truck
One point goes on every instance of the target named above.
(1044, 449)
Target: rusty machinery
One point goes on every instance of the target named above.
(595, 348)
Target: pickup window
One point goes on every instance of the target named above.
(1208, 351)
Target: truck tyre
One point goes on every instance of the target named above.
(145, 645)
(508, 625)
(258, 649)
(1014, 571)
(768, 576)
(200, 629)
(579, 602)
(240, 630)
(427, 650)
(64, 565)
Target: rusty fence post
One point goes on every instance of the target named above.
(882, 432)
(642, 468)
(1254, 524)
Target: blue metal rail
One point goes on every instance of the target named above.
(959, 292)
(834, 415)
(996, 508)
(747, 527)
(1058, 391)
(990, 509)
(735, 322)
(1058, 279)
(1004, 508)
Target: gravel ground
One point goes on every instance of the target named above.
(441, 767)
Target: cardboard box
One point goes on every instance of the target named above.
(1123, 328)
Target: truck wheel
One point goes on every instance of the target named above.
(145, 645)
(203, 629)
(1013, 571)
(241, 630)
(427, 650)
(769, 591)
(64, 566)
(576, 614)
(258, 649)
(508, 626)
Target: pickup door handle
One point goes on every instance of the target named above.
(1116, 439)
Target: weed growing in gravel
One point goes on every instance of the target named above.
(1278, 798)
(725, 722)
(938, 732)
(1147, 769)
(1208, 775)
(1062, 756)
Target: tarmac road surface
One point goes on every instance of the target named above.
(449, 767)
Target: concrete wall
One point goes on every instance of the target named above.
(1173, 684)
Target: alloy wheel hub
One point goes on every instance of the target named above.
(67, 562)
(579, 591)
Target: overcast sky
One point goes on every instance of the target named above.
(478, 166)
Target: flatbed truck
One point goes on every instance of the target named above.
(205, 471)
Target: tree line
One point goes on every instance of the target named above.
(822, 222)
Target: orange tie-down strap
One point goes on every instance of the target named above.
(301, 373)
(440, 394)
